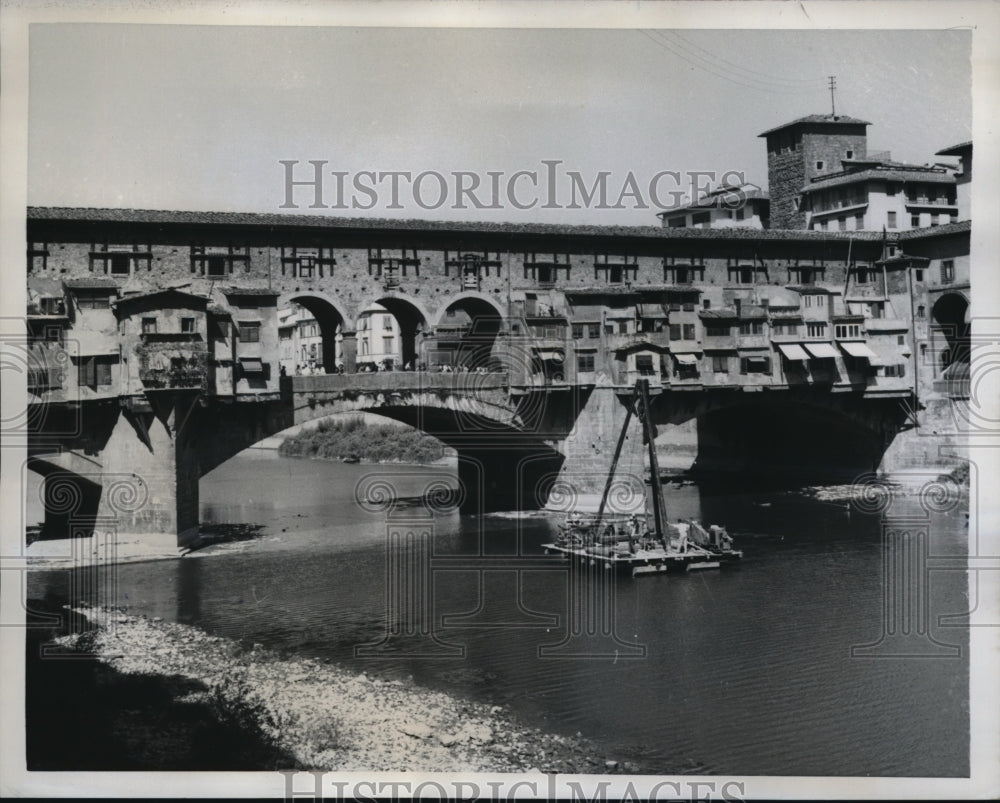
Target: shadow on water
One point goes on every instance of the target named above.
(82, 714)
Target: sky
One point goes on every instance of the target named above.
(200, 117)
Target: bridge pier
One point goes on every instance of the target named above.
(150, 472)
(589, 451)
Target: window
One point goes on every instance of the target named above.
(891, 219)
(700, 218)
(819, 165)
(623, 327)
(864, 276)
(218, 260)
(896, 370)
(616, 269)
(93, 302)
(149, 326)
(740, 213)
(585, 362)
(307, 263)
(644, 364)
(689, 331)
(806, 275)
(544, 268)
(921, 311)
(683, 273)
(751, 327)
(716, 330)
(742, 274)
(900, 340)
(859, 221)
(95, 372)
(816, 329)
(38, 254)
(842, 223)
(249, 331)
(119, 259)
(918, 274)
(677, 222)
(947, 271)
(387, 345)
(675, 331)
(187, 325)
(785, 328)
(720, 364)
(849, 155)
(593, 331)
(578, 331)
(915, 221)
(842, 330)
(755, 365)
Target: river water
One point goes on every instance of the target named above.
(745, 671)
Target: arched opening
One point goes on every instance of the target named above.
(310, 336)
(950, 333)
(794, 440)
(390, 332)
(465, 335)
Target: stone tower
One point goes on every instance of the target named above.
(803, 149)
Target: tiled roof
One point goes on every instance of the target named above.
(905, 173)
(717, 198)
(955, 150)
(262, 220)
(839, 119)
(250, 291)
(91, 282)
(719, 313)
(936, 231)
(162, 292)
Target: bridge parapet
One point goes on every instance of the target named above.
(382, 381)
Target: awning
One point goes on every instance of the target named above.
(651, 311)
(548, 354)
(793, 352)
(686, 359)
(859, 350)
(822, 351)
(252, 365)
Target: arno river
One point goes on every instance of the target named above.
(746, 670)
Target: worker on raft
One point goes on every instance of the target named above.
(633, 533)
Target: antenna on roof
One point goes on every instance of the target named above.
(833, 102)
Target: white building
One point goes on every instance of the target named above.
(300, 342)
(378, 338)
(727, 206)
(876, 194)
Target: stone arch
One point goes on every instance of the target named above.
(330, 318)
(467, 329)
(413, 320)
(950, 331)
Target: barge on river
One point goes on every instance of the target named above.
(627, 543)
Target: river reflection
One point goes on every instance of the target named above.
(742, 671)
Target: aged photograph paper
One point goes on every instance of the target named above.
(468, 402)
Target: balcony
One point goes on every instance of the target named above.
(655, 340)
(171, 366)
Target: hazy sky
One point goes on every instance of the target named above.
(191, 117)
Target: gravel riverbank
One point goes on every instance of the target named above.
(323, 717)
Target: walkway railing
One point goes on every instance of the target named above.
(396, 380)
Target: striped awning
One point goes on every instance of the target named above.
(652, 311)
(686, 359)
(791, 351)
(252, 365)
(821, 351)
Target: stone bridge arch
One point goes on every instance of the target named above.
(333, 319)
(412, 316)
